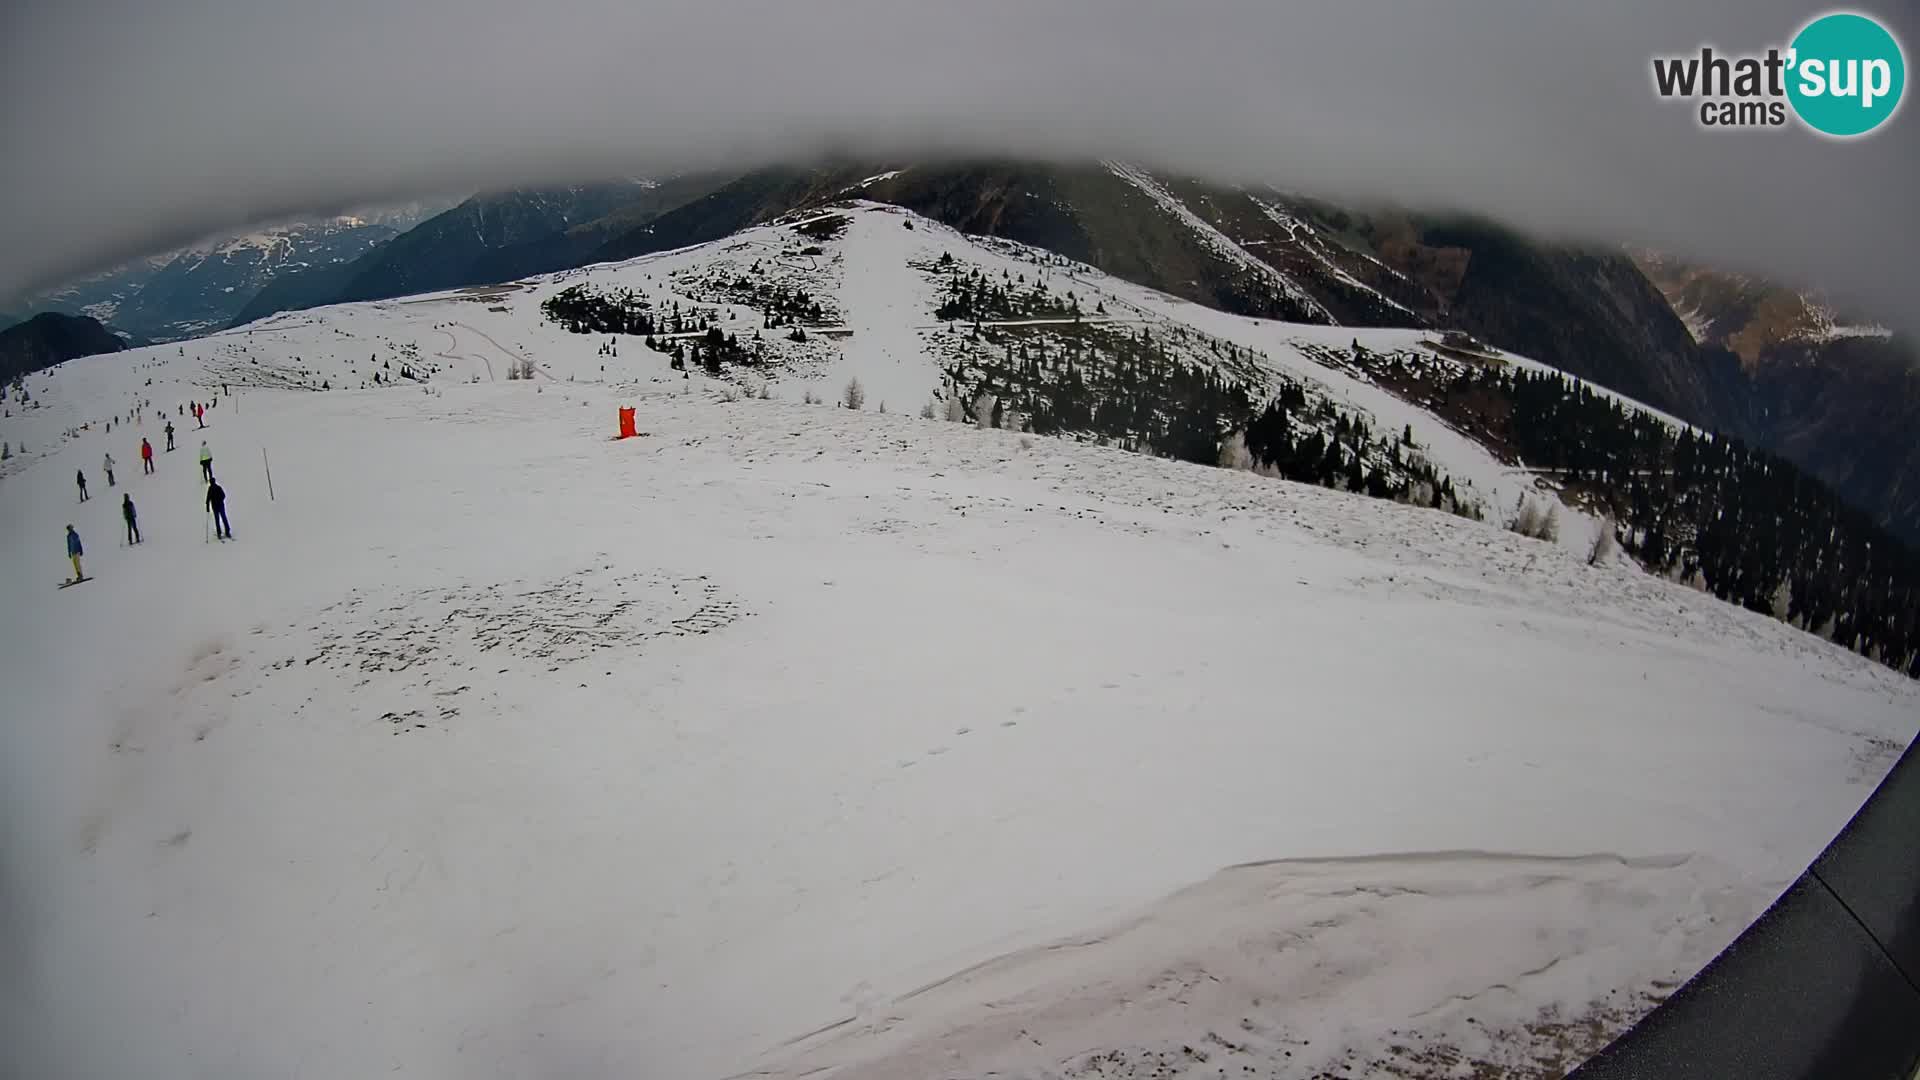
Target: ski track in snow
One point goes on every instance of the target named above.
(791, 741)
(1313, 248)
(1220, 242)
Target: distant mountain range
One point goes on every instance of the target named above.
(52, 338)
(1729, 354)
(201, 288)
(1829, 391)
(487, 238)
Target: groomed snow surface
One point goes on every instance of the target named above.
(791, 741)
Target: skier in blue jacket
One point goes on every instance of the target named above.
(74, 552)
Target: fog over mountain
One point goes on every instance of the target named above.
(188, 118)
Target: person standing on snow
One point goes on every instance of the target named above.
(133, 519)
(146, 455)
(74, 552)
(200, 414)
(107, 464)
(217, 506)
(169, 436)
(81, 478)
(206, 461)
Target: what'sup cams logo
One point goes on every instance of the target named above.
(1842, 75)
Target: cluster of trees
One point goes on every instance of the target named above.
(823, 228)
(781, 305)
(973, 296)
(406, 372)
(1746, 526)
(584, 310)
(1110, 385)
(713, 351)
(1311, 441)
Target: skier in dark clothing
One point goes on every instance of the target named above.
(169, 436)
(81, 478)
(133, 519)
(217, 506)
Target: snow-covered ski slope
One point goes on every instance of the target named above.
(792, 741)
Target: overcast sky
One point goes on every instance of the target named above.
(134, 125)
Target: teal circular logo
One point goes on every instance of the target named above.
(1847, 74)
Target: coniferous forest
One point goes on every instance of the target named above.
(584, 310)
(1744, 525)
(1747, 526)
(971, 295)
(1153, 393)
(1756, 530)
(779, 305)
(1109, 384)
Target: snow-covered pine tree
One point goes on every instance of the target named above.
(1605, 543)
(983, 406)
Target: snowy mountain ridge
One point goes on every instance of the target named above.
(789, 739)
(200, 287)
(904, 361)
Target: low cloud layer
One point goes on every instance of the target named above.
(133, 126)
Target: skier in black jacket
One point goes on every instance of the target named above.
(133, 519)
(217, 506)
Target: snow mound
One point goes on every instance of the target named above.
(1286, 962)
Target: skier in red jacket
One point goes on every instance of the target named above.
(146, 456)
